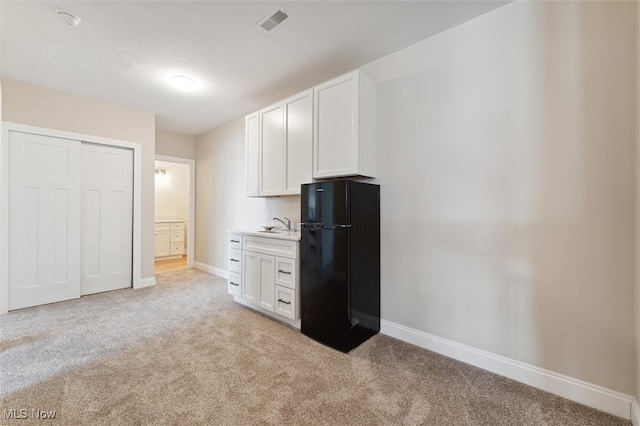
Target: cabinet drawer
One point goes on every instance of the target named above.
(285, 303)
(286, 272)
(235, 241)
(272, 246)
(177, 236)
(235, 281)
(177, 248)
(177, 226)
(162, 227)
(235, 261)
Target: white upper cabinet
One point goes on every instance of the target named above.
(252, 154)
(299, 140)
(344, 142)
(272, 151)
(279, 147)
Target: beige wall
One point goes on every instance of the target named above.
(507, 165)
(38, 106)
(220, 201)
(172, 191)
(175, 144)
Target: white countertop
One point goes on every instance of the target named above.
(169, 220)
(280, 234)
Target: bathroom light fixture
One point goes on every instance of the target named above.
(68, 18)
(182, 83)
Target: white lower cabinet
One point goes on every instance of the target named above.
(235, 260)
(286, 303)
(266, 278)
(234, 285)
(286, 272)
(235, 282)
(258, 271)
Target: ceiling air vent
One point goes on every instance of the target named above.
(273, 21)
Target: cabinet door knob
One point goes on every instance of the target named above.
(284, 301)
(234, 260)
(232, 283)
(284, 272)
(235, 241)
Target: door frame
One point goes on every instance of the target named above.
(7, 127)
(191, 204)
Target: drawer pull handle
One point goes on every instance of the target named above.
(235, 241)
(284, 301)
(232, 283)
(234, 260)
(284, 272)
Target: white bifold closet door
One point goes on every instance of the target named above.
(107, 217)
(44, 219)
(70, 219)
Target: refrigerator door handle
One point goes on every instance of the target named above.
(323, 225)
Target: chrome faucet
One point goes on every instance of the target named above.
(287, 224)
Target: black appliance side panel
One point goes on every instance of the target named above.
(365, 260)
(324, 202)
(324, 272)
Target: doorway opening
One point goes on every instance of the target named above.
(174, 214)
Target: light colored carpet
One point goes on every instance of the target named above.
(183, 353)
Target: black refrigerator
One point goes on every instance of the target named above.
(340, 262)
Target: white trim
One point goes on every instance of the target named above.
(191, 205)
(138, 281)
(635, 408)
(594, 396)
(222, 273)
(146, 282)
(635, 412)
(4, 220)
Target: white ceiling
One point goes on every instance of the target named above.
(123, 51)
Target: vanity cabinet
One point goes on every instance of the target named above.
(162, 240)
(344, 127)
(279, 147)
(268, 276)
(169, 239)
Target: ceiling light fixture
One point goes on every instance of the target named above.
(68, 18)
(182, 83)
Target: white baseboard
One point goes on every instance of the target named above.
(594, 396)
(635, 412)
(223, 273)
(145, 282)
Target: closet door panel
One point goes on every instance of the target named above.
(44, 217)
(107, 218)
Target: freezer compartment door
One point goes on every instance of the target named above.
(324, 285)
(325, 202)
